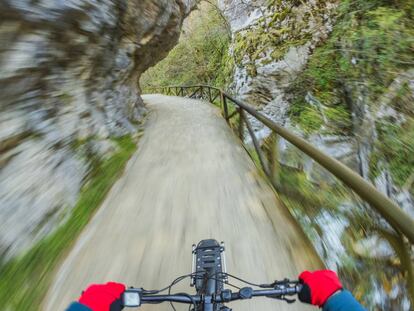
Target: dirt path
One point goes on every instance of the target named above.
(190, 180)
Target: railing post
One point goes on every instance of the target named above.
(241, 120)
(194, 93)
(209, 94)
(257, 147)
(215, 96)
(201, 92)
(225, 109)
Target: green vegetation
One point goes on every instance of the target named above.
(308, 116)
(201, 56)
(371, 42)
(372, 45)
(366, 60)
(396, 144)
(24, 281)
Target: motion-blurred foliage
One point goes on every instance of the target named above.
(368, 59)
(25, 280)
(368, 55)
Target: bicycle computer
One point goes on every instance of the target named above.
(131, 297)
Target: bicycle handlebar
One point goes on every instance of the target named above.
(226, 296)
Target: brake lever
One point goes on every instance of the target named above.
(289, 301)
(278, 283)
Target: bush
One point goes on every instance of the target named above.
(200, 57)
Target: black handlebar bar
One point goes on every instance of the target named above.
(226, 295)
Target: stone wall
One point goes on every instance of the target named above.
(69, 75)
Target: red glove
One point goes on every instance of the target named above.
(103, 297)
(318, 286)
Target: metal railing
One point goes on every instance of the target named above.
(394, 215)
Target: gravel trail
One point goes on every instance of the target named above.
(190, 180)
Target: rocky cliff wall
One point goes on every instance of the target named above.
(335, 72)
(69, 75)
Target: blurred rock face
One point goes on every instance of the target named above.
(69, 75)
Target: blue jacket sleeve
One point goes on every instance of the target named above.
(343, 301)
(76, 306)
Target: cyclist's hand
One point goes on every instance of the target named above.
(318, 286)
(103, 297)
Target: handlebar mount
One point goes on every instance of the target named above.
(209, 275)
